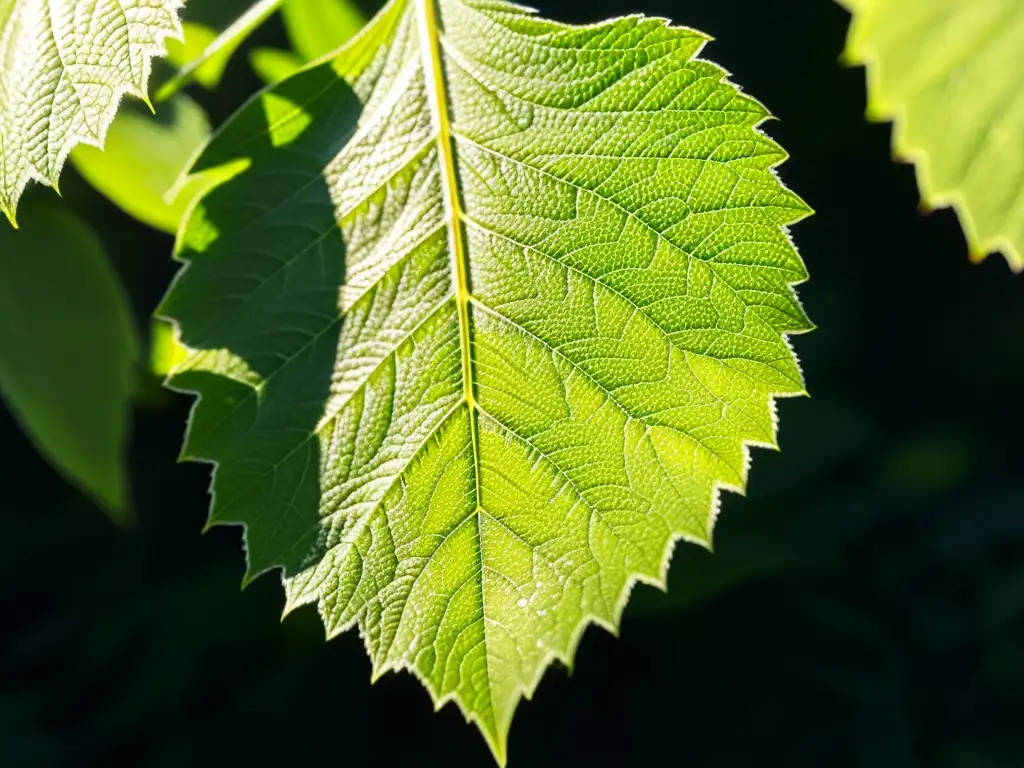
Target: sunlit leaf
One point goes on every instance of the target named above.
(64, 66)
(165, 353)
(482, 324)
(950, 74)
(316, 27)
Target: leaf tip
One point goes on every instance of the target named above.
(248, 579)
(497, 742)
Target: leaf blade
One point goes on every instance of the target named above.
(272, 65)
(68, 351)
(56, 93)
(540, 329)
(953, 100)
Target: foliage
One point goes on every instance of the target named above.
(950, 74)
(67, 349)
(475, 348)
(208, 65)
(65, 66)
(316, 27)
(142, 162)
(857, 557)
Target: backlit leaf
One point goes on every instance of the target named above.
(196, 38)
(490, 311)
(950, 74)
(272, 65)
(64, 66)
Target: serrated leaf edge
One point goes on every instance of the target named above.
(858, 54)
(527, 689)
(139, 90)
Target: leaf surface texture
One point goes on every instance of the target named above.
(950, 73)
(489, 311)
(64, 66)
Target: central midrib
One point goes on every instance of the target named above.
(433, 67)
(429, 28)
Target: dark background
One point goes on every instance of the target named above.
(865, 606)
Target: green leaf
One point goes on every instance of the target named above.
(319, 27)
(950, 74)
(68, 349)
(196, 38)
(273, 65)
(208, 66)
(64, 65)
(316, 28)
(145, 157)
(481, 325)
(165, 353)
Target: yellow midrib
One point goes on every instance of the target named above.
(430, 42)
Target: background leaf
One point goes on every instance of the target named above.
(165, 353)
(144, 158)
(196, 38)
(140, 650)
(318, 27)
(315, 27)
(210, 63)
(273, 65)
(950, 74)
(68, 350)
(56, 92)
(476, 346)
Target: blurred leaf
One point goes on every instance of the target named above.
(217, 53)
(165, 351)
(65, 66)
(68, 349)
(196, 38)
(273, 65)
(949, 73)
(319, 27)
(145, 158)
